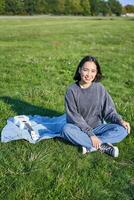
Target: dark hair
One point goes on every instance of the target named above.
(90, 59)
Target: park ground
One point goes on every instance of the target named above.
(38, 57)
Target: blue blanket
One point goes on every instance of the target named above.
(45, 127)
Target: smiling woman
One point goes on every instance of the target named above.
(88, 73)
(88, 104)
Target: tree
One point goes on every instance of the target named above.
(94, 7)
(60, 6)
(129, 8)
(115, 7)
(103, 8)
(14, 6)
(85, 7)
(57, 6)
(73, 7)
(2, 6)
(30, 6)
(41, 7)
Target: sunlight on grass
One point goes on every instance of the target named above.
(38, 59)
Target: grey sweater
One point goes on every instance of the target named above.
(89, 107)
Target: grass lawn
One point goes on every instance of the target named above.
(38, 57)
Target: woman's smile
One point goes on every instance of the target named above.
(88, 73)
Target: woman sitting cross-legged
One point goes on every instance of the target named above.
(88, 105)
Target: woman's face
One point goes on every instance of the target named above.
(88, 72)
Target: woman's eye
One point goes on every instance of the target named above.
(93, 71)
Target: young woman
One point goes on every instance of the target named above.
(88, 105)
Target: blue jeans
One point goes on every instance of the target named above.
(107, 133)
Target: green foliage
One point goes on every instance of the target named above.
(101, 7)
(38, 57)
(56, 6)
(2, 6)
(115, 7)
(129, 8)
(41, 7)
(14, 6)
(85, 5)
(60, 7)
(73, 7)
(30, 6)
(94, 7)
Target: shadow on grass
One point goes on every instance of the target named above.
(23, 108)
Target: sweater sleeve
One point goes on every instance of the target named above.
(109, 111)
(73, 116)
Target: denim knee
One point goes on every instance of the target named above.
(122, 130)
(68, 128)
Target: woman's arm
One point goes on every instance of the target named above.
(126, 126)
(110, 114)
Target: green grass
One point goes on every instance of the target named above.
(38, 57)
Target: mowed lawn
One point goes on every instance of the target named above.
(38, 57)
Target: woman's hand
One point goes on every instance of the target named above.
(126, 126)
(96, 142)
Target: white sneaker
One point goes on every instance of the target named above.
(84, 150)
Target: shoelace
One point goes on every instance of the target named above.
(107, 148)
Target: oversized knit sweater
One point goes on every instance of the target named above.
(89, 107)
